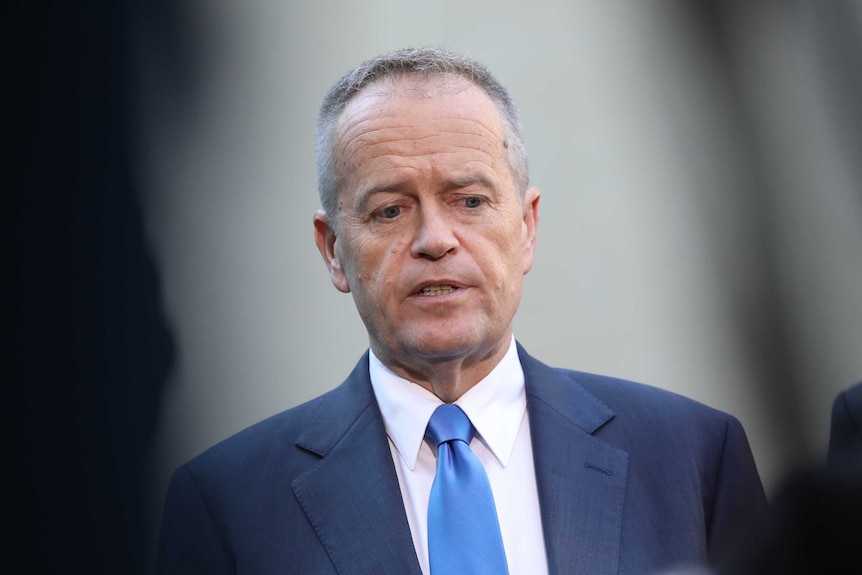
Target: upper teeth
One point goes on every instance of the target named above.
(436, 290)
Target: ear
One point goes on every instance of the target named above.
(530, 223)
(326, 239)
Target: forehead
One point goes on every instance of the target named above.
(395, 93)
(412, 115)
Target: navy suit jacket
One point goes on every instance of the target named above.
(845, 434)
(631, 479)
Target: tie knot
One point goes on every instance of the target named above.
(448, 422)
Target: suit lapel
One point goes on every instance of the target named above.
(351, 496)
(581, 480)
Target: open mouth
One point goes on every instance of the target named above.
(435, 290)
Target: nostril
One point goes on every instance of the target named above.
(434, 242)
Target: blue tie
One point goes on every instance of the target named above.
(463, 531)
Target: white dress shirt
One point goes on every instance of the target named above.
(497, 407)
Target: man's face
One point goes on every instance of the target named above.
(431, 236)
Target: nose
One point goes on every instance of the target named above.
(435, 236)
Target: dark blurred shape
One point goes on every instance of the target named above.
(814, 526)
(815, 521)
(845, 435)
(85, 339)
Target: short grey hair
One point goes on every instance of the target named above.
(428, 62)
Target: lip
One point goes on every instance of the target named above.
(457, 287)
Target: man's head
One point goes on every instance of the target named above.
(430, 227)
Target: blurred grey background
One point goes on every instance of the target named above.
(700, 223)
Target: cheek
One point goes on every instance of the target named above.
(391, 262)
(377, 267)
(507, 249)
(357, 251)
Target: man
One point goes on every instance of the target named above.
(845, 432)
(429, 222)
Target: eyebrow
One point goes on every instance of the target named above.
(467, 181)
(398, 186)
(364, 195)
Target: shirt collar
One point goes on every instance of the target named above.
(495, 406)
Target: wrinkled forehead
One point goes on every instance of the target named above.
(397, 94)
(411, 97)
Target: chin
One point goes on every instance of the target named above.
(447, 345)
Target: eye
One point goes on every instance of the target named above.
(390, 212)
(472, 202)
